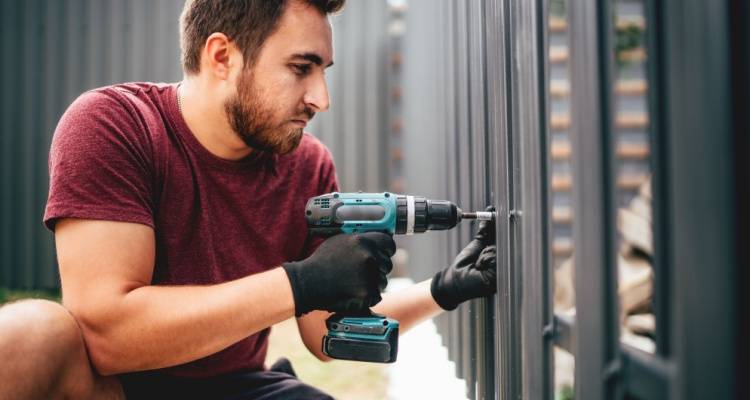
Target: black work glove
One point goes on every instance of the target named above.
(345, 274)
(472, 274)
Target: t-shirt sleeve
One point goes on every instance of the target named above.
(100, 163)
(328, 183)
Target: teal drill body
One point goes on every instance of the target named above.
(371, 337)
(336, 213)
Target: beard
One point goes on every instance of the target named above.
(252, 119)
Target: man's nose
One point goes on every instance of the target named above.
(316, 96)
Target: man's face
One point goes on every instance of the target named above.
(278, 95)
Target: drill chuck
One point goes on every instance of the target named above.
(416, 214)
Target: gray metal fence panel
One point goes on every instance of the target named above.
(54, 51)
(700, 139)
(508, 343)
(530, 124)
(740, 45)
(595, 282)
(481, 173)
(356, 127)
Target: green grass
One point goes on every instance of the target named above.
(566, 393)
(7, 295)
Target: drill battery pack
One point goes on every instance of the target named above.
(372, 338)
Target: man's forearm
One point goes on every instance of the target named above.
(159, 326)
(409, 306)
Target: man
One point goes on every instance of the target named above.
(177, 218)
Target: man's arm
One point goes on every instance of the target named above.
(409, 306)
(128, 325)
(471, 275)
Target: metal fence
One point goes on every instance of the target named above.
(562, 114)
(523, 104)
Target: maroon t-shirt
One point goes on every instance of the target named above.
(124, 153)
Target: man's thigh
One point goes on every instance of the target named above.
(274, 384)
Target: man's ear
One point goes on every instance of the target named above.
(220, 56)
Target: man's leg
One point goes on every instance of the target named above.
(44, 356)
(279, 382)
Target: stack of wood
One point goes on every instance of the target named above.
(635, 280)
(636, 283)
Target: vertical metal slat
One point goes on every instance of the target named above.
(595, 285)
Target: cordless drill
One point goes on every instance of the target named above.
(368, 336)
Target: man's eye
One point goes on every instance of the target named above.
(301, 69)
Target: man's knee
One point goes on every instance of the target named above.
(43, 342)
(39, 323)
(40, 339)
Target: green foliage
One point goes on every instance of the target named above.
(557, 8)
(565, 393)
(628, 37)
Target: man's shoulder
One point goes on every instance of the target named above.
(125, 94)
(125, 114)
(127, 108)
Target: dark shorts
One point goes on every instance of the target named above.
(279, 382)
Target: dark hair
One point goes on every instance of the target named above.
(247, 22)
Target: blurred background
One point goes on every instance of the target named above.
(606, 134)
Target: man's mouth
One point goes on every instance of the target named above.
(301, 122)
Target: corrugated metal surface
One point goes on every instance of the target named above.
(52, 52)
(499, 72)
(356, 127)
(446, 150)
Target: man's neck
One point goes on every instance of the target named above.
(204, 114)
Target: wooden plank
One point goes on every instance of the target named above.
(560, 24)
(557, 24)
(561, 150)
(561, 182)
(558, 54)
(631, 181)
(560, 88)
(559, 121)
(631, 87)
(562, 215)
(562, 247)
(633, 120)
(632, 56)
(638, 151)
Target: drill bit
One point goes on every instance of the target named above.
(479, 215)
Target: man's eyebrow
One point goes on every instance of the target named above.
(312, 57)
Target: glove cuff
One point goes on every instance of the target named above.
(293, 271)
(443, 292)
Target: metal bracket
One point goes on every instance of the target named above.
(549, 332)
(514, 214)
